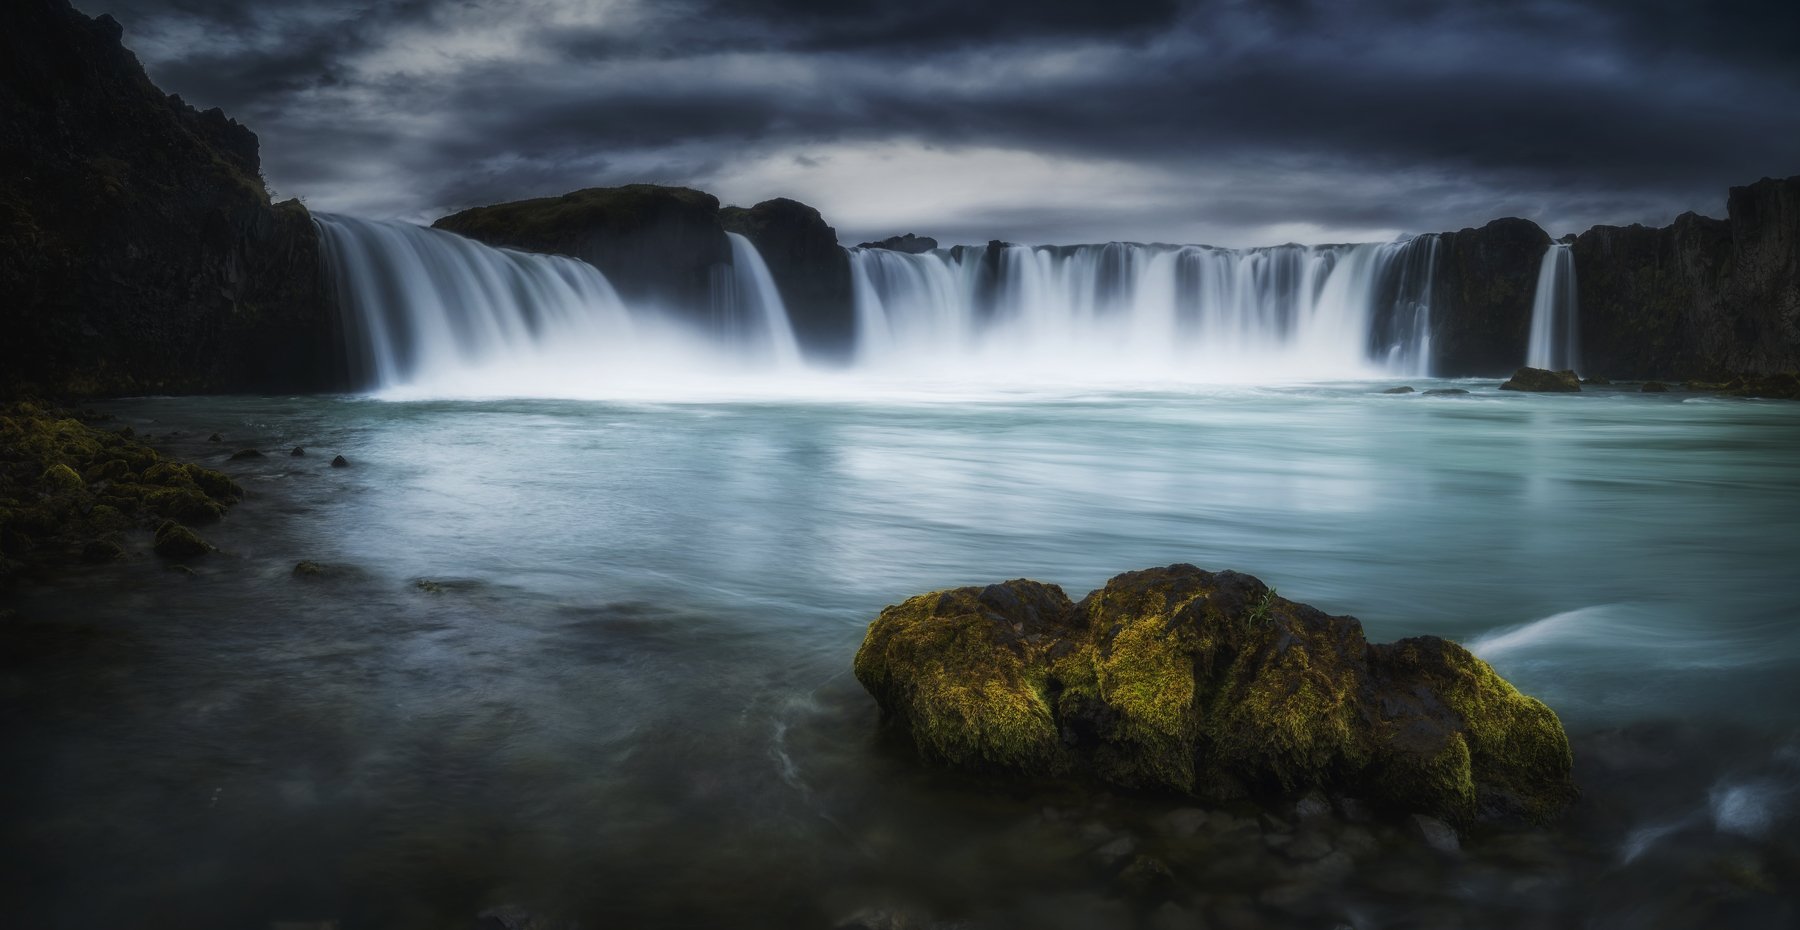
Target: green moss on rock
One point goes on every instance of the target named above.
(174, 541)
(963, 669)
(67, 488)
(1210, 684)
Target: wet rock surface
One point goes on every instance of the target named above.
(1210, 684)
(1540, 380)
(73, 491)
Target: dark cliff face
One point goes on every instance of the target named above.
(139, 251)
(1700, 298)
(657, 245)
(1481, 298)
(810, 269)
(666, 246)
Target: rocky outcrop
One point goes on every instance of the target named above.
(1700, 298)
(139, 251)
(657, 245)
(810, 269)
(1541, 381)
(1481, 297)
(1210, 684)
(666, 246)
(909, 243)
(71, 491)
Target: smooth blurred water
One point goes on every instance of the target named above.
(628, 692)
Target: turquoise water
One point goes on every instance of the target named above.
(625, 693)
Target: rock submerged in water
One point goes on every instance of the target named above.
(174, 541)
(1540, 380)
(1212, 685)
(1403, 389)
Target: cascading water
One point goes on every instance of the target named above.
(432, 313)
(420, 302)
(1555, 312)
(752, 293)
(1150, 311)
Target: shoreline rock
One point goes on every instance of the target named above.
(1211, 685)
(1542, 381)
(71, 492)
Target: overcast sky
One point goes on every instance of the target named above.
(1230, 123)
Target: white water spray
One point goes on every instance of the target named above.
(430, 313)
(1555, 327)
(1138, 312)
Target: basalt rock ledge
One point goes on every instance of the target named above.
(1210, 684)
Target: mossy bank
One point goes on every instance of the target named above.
(1210, 684)
(73, 492)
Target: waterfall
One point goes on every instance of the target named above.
(420, 301)
(431, 313)
(1555, 313)
(752, 295)
(1150, 311)
(431, 310)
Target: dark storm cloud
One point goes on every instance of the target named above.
(1036, 120)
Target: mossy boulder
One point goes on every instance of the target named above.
(174, 541)
(1540, 380)
(1210, 684)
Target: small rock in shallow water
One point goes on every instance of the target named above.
(340, 462)
(174, 541)
(1436, 833)
(1654, 387)
(1313, 805)
(1398, 390)
(1146, 876)
(298, 452)
(1445, 392)
(246, 454)
(1540, 380)
(1184, 821)
(1116, 850)
(100, 551)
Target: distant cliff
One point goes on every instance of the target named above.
(1700, 298)
(139, 251)
(667, 246)
(1481, 298)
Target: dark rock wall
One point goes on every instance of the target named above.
(1482, 295)
(667, 246)
(1700, 298)
(139, 251)
(661, 245)
(810, 269)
